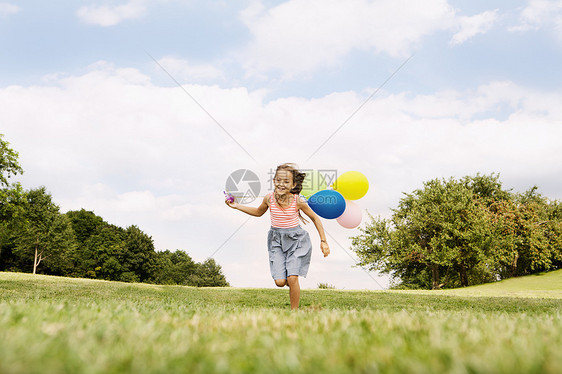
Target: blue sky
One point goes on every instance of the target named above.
(103, 127)
(38, 40)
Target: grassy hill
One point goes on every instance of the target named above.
(539, 285)
(62, 325)
(544, 285)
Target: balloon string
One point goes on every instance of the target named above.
(359, 108)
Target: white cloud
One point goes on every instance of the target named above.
(102, 197)
(299, 36)
(474, 25)
(112, 15)
(7, 9)
(541, 14)
(184, 70)
(111, 141)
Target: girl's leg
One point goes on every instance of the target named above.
(280, 282)
(294, 291)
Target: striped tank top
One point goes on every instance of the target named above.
(283, 218)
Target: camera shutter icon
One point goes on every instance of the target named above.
(244, 184)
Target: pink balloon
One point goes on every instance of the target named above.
(351, 217)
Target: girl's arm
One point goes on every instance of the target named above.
(303, 205)
(257, 212)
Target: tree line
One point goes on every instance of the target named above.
(462, 232)
(35, 236)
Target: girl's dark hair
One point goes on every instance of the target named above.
(298, 178)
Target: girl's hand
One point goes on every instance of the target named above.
(232, 204)
(325, 248)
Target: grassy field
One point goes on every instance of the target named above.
(545, 285)
(63, 325)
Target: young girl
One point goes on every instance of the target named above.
(288, 244)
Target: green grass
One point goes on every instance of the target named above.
(544, 285)
(63, 325)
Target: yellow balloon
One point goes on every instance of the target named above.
(352, 185)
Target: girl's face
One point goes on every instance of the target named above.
(283, 182)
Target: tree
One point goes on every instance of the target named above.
(488, 188)
(46, 234)
(104, 254)
(461, 232)
(87, 228)
(173, 268)
(110, 252)
(537, 237)
(12, 208)
(9, 165)
(12, 196)
(442, 227)
(85, 224)
(178, 268)
(553, 232)
(139, 261)
(208, 274)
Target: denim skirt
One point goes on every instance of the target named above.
(290, 250)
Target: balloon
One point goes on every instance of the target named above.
(313, 182)
(351, 217)
(327, 204)
(352, 185)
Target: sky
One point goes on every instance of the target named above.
(140, 110)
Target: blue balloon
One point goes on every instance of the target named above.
(327, 204)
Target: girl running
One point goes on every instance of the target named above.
(288, 244)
